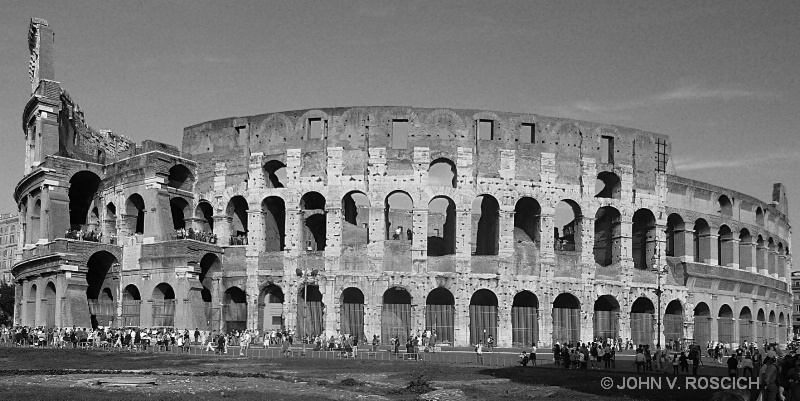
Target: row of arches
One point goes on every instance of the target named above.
(759, 330)
(724, 247)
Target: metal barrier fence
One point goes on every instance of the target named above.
(451, 357)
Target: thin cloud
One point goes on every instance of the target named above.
(616, 109)
(698, 164)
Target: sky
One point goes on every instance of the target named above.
(719, 77)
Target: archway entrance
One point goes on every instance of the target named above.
(131, 306)
(210, 267)
(272, 312)
(673, 321)
(745, 325)
(566, 319)
(352, 314)
(163, 306)
(725, 325)
(234, 307)
(525, 319)
(606, 318)
(440, 314)
(396, 315)
(50, 305)
(98, 292)
(483, 316)
(642, 313)
(311, 318)
(702, 324)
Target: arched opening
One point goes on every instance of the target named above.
(399, 217)
(210, 267)
(310, 314)
(569, 218)
(49, 306)
(566, 319)
(273, 210)
(180, 177)
(702, 324)
(642, 321)
(234, 309)
(355, 219)
(204, 217)
(441, 226)
(725, 206)
(351, 314)
(676, 236)
(35, 223)
(745, 325)
(111, 223)
(275, 174)
(163, 306)
(131, 306)
(312, 207)
(440, 312)
(725, 246)
(745, 249)
(134, 210)
(759, 216)
(781, 337)
(606, 318)
(30, 307)
(442, 172)
(761, 254)
(771, 248)
(607, 185)
(673, 321)
(644, 239)
(82, 190)
(607, 236)
(702, 241)
(725, 324)
(525, 320)
(780, 261)
(773, 328)
(485, 225)
(180, 211)
(395, 315)
(237, 212)
(761, 327)
(483, 316)
(272, 303)
(527, 217)
(99, 276)
(93, 224)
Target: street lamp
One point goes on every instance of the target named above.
(659, 270)
(308, 276)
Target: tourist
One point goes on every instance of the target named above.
(479, 352)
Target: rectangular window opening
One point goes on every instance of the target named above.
(485, 130)
(607, 149)
(399, 134)
(315, 128)
(528, 133)
(661, 156)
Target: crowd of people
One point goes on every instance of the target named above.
(83, 235)
(198, 235)
(238, 240)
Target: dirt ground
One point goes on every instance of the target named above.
(55, 374)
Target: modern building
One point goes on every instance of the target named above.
(796, 308)
(8, 244)
(388, 220)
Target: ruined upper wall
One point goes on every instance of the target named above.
(77, 140)
(443, 131)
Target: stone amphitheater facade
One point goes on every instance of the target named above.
(385, 221)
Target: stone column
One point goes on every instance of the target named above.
(222, 228)
(761, 259)
(684, 245)
(506, 240)
(546, 240)
(333, 227)
(734, 248)
(504, 327)
(419, 243)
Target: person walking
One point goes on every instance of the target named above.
(768, 379)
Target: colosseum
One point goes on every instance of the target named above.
(388, 220)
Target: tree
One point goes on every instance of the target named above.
(6, 303)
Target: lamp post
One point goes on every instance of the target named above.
(659, 270)
(308, 276)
